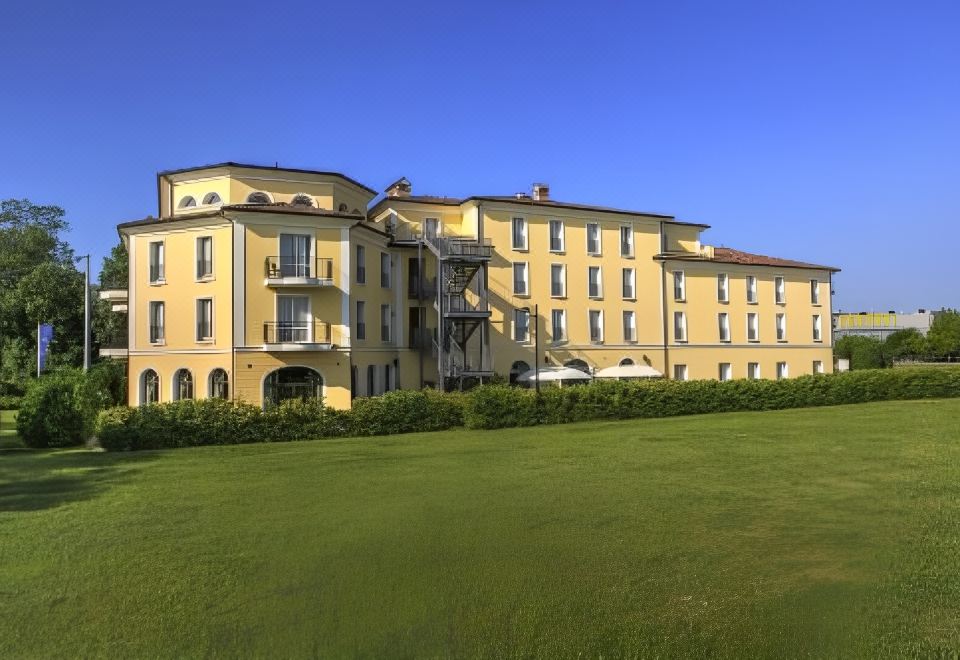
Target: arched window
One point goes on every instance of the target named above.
(342, 208)
(258, 198)
(577, 363)
(627, 362)
(517, 368)
(182, 385)
(219, 388)
(302, 199)
(212, 198)
(149, 387)
(289, 383)
(187, 202)
(355, 211)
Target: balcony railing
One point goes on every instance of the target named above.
(297, 332)
(450, 246)
(295, 269)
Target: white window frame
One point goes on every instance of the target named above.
(599, 313)
(753, 371)
(599, 250)
(725, 371)
(751, 284)
(525, 265)
(629, 233)
(679, 286)
(563, 280)
(161, 259)
(360, 267)
(525, 234)
(723, 327)
(361, 319)
(783, 370)
(680, 372)
(631, 337)
(682, 327)
(633, 284)
(563, 325)
(386, 313)
(162, 339)
(196, 324)
(780, 290)
(563, 239)
(599, 294)
(388, 270)
(817, 328)
(205, 277)
(756, 327)
(815, 292)
(723, 287)
(818, 366)
(519, 313)
(780, 323)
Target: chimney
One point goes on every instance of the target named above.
(399, 188)
(541, 192)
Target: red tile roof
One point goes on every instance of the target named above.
(731, 256)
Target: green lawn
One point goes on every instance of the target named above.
(8, 430)
(830, 532)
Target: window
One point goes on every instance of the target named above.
(680, 326)
(626, 362)
(387, 377)
(723, 321)
(385, 265)
(679, 372)
(817, 331)
(556, 236)
(293, 319)
(156, 323)
(629, 326)
(521, 325)
(371, 380)
(753, 370)
(753, 327)
(558, 280)
(187, 202)
(779, 290)
(212, 198)
(258, 198)
(679, 286)
(521, 285)
(303, 199)
(342, 208)
(431, 229)
(558, 324)
(594, 282)
(595, 318)
(182, 385)
(519, 234)
(781, 327)
(205, 319)
(751, 289)
(723, 288)
(294, 255)
(814, 292)
(626, 241)
(817, 367)
(629, 284)
(156, 262)
(386, 323)
(204, 257)
(149, 387)
(725, 371)
(517, 369)
(361, 319)
(782, 371)
(361, 265)
(593, 238)
(218, 387)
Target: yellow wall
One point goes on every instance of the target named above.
(166, 364)
(253, 368)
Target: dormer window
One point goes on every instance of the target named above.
(342, 208)
(258, 198)
(212, 198)
(301, 199)
(187, 202)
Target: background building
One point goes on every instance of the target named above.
(880, 325)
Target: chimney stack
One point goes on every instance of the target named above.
(399, 188)
(541, 192)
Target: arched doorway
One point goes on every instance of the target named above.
(286, 383)
(517, 368)
(218, 385)
(577, 363)
(182, 385)
(149, 387)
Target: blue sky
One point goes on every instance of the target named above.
(822, 131)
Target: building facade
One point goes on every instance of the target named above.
(880, 325)
(260, 284)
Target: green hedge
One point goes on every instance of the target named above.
(10, 402)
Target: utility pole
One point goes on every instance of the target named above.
(86, 314)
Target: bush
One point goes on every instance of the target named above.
(407, 411)
(49, 415)
(10, 402)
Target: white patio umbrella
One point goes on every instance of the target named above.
(628, 372)
(553, 375)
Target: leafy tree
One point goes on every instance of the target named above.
(944, 335)
(863, 352)
(907, 343)
(109, 327)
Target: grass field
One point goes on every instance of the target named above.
(8, 430)
(830, 532)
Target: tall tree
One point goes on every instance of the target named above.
(110, 327)
(944, 335)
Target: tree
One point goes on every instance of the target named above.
(863, 352)
(110, 327)
(907, 343)
(944, 335)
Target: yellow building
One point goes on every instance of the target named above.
(263, 283)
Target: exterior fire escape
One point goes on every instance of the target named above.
(463, 330)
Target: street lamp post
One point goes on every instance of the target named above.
(536, 344)
(86, 313)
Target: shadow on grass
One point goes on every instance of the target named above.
(35, 479)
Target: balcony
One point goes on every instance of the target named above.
(297, 271)
(461, 248)
(297, 335)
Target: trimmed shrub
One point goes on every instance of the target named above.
(49, 415)
(406, 411)
(501, 406)
(303, 420)
(10, 402)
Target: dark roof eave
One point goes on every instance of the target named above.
(784, 264)
(291, 210)
(250, 166)
(582, 207)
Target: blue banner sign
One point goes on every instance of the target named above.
(44, 337)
